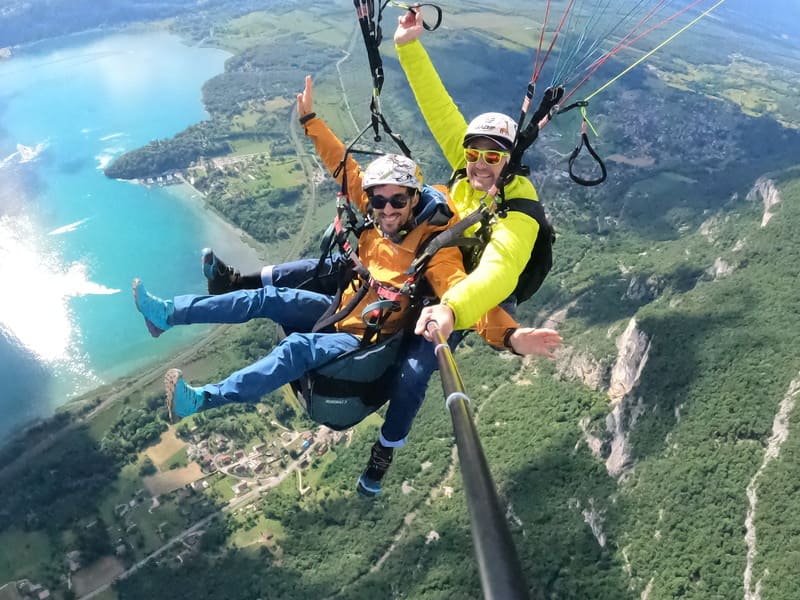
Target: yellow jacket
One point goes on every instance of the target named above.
(512, 237)
(388, 261)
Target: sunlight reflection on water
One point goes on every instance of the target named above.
(35, 311)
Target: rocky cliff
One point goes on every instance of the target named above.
(633, 348)
(764, 190)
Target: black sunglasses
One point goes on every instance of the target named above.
(397, 201)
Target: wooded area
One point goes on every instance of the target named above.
(721, 357)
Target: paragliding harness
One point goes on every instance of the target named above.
(350, 387)
(344, 391)
(541, 258)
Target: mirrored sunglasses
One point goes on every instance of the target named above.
(397, 201)
(490, 157)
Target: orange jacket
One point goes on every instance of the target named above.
(388, 261)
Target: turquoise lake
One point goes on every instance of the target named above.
(71, 240)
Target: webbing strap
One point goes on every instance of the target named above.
(332, 316)
(584, 141)
(527, 134)
(378, 118)
(386, 292)
(371, 32)
(572, 157)
(449, 237)
(417, 7)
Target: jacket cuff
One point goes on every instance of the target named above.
(507, 341)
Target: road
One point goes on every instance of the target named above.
(244, 499)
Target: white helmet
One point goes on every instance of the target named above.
(498, 127)
(392, 169)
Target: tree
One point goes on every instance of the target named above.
(147, 468)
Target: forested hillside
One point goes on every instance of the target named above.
(658, 456)
(23, 22)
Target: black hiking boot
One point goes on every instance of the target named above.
(369, 484)
(221, 278)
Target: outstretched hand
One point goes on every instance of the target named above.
(544, 342)
(305, 100)
(409, 26)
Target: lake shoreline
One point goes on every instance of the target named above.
(113, 232)
(185, 191)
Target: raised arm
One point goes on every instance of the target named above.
(441, 114)
(328, 146)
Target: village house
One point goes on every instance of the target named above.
(73, 560)
(23, 590)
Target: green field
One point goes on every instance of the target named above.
(758, 88)
(253, 529)
(179, 459)
(24, 555)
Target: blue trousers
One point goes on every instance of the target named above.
(406, 390)
(297, 354)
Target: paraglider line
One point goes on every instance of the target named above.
(541, 40)
(648, 54)
(553, 41)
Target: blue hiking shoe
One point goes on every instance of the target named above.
(156, 312)
(221, 278)
(369, 484)
(182, 399)
(367, 487)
